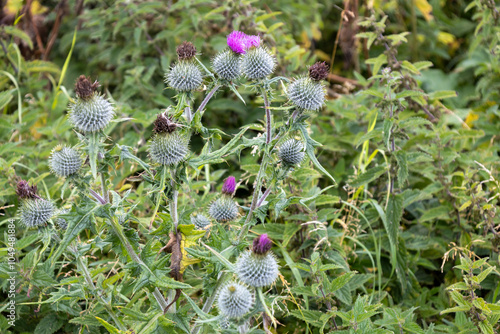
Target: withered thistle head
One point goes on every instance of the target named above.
(186, 50)
(318, 71)
(24, 190)
(164, 124)
(84, 88)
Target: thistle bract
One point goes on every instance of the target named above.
(292, 152)
(257, 63)
(257, 270)
(307, 94)
(35, 212)
(168, 148)
(224, 209)
(200, 221)
(227, 65)
(65, 161)
(234, 300)
(184, 76)
(91, 114)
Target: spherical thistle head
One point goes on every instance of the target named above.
(257, 270)
(169, 148)
(262, 244)
(200, 221)
(306, 94)
(223, 210)
(65, 161)
(35, 212)
(234, 300)
(291, 152)
(184, 76)
(92, 114)
(24, 190)
(257, 63)
(164, 124)
(186, 50)
(229, 186)
(227, 65)
(85, 88)
(318, 71)
(61, 222)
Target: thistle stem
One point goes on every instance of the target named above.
(269, 127)
(264, 196)
(207, 98)
(118, 229)
(97, 196)
(187, 112)
(173, 202)
(210, 301)
(105, 192)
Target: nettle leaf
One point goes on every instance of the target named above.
(387, 132)
(311, 317)
(413, 122)
(49, 325)
(402, 167)
(368, 176)
(341, 281)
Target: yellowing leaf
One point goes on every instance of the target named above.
(425, 8)
(471, 117)
(189, 236)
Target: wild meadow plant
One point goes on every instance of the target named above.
(212, 241)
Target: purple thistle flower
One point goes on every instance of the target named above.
(253, 40)
(262, 244)
(229, 186)
(237, 41)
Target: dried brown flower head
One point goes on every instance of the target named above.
(318, 71)
(186, 50)
(24, 190)
(164, 124)
(84, 88)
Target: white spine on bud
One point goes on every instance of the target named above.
(169, 148)
(65, 161)
(184, 76)
(227, 65)
(234, 300)
(35, 212)
(200, 221)
(257, 270)
(292, 152)
(257, 63)
(224, 209)
(92, 114)
(307, 94)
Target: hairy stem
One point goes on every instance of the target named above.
(207, 98)
(97, 196)
(269, 127)
(105, 192)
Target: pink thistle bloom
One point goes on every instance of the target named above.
(262, 244)
(240, 42)
(237, 41)
(229, 186)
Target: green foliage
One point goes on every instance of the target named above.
(389, 224)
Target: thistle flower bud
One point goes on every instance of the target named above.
(234, 300)
(61, 222)
(224, 210)
(258, 267)
(257, 63)
(90, 112)
(307, 94)
(168, 148)
(200, 221)
(227, 65)
(186, 50)
(65, 161)
(184, 76)
(35, 212)
(229, 186)
(318, 71)
(24, 190)
(291, 152)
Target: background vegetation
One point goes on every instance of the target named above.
(407, 238)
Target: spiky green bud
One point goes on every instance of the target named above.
(224, 209)
(291, 152)
(307, 94)
(169, 148)
(65, 161)
(257, 63)
(257, 270)
(200, 221)
(234, 300)
(35, 212)
(184, 76)
(227, 65)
